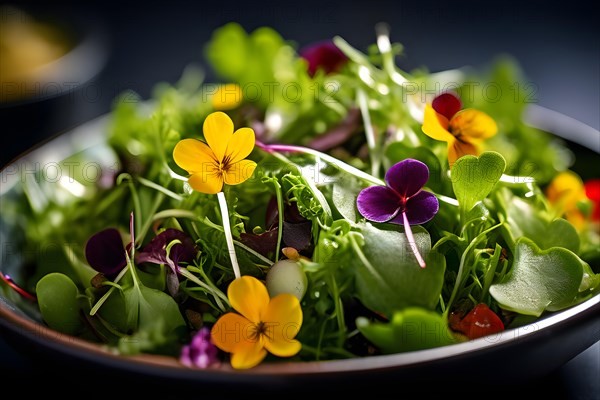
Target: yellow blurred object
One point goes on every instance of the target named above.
(27, 50)
(564, 193)
(227, 97)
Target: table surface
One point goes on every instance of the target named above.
(556, 45)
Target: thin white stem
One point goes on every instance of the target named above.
(326, 157)
(412, 242)
(228, 236)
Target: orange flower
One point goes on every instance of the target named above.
(463, 130)
(264, 324)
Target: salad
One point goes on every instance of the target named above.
(319, 203)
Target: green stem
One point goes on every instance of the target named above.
(137, 206)
(162, 189)
(142, 232)
(228, 235)
(361, 99)
(103, 299)
(175, 213)
(385, 48)
(280, 217)
(463, 260)
(213, 291)
(241, 245)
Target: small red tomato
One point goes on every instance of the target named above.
(479, 322)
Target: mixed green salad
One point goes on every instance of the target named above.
(320, 203)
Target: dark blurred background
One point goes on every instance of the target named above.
(135, 45)
(139, 44)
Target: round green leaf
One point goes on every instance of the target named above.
(57, 299)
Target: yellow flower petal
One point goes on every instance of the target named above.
(473, 124)
(457, 149)
(227, 97)
(229, 331)
(218, 129)
(435, 125)
(249, 297)
(565, 190)
(239, 172)
(209, 181)
(247, 354)
(240, 145)
(283, 318)
(193, 155)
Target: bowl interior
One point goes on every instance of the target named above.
(575, 328)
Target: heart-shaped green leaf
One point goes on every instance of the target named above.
(408, 330)
(525, 220)
(57, 299)
(540, 280)
(387, 275)
(473, 178)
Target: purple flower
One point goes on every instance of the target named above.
(201, 352)
(104, 251)
(155, 252)
(323, 55)
(402, 201)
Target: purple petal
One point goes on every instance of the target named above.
(290, 213)
(201, 352)
(155, 252)
(323, 55)
(105, 253)
(297, 235)
(407, 177)
(447, 104)
(419, 209)
(378, 203)
(264, 243)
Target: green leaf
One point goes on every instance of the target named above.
(387, 275)
(145, 306)
(114, 311)
(473, 178)
(408, 330)
(57, 299)
(526, 220)
(345, 192)
(540, 280)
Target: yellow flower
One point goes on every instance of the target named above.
(227, 97)
(564, 193)
(264, 324)
(222, 160)
(464, 129)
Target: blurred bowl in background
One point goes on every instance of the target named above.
(48, 61)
